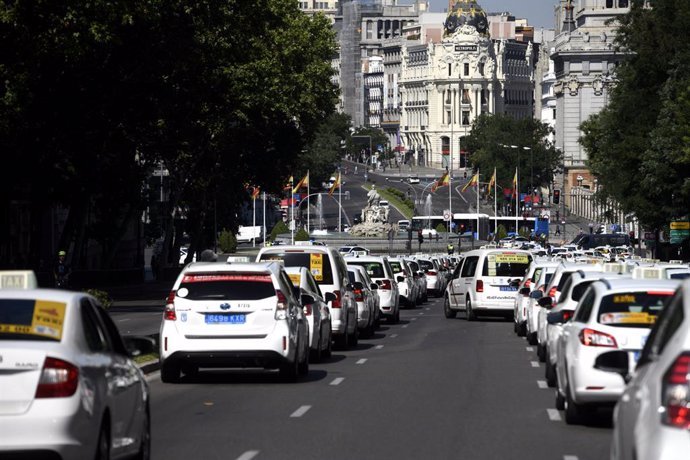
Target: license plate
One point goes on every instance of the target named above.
(225, 318)
(508, 288)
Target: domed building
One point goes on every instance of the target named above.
(446, 85)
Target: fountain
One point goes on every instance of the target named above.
(319, 211)
(427, 205)
(374, 218)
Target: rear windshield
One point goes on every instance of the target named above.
(632, 309)
(318, 263)
(426, 265)
(580, 289)
(374, 269)
(397, 268)
(679, 276)
(226, 286)
(506, 264)
(30, 319)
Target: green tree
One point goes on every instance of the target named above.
(643, 132)
(323, 154)
(279, 229)
(489, 145)
(301, 235)
(361, 138)
(227, 241)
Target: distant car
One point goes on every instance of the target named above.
(233, 315)
(384, 203)
(69, 387)
(413, 180)
(367, 300)
(380, 271)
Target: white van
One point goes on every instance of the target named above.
(483, 283)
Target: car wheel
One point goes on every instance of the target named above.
(103, 446)
(550, 373)
(354, 338)
(560, 401)
(515, 327)
(532, 338)
(145, 443)
(425, 297)
(289, 370)
(396, 318)
(170, 372)
(303, 366)
(522, 329)
(541, 353)
(328, 352)
(469, 312)
(340, 341)
(446, 309)
(574, 412)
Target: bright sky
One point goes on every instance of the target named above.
(539, 13)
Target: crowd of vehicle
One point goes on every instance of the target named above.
(612, 329)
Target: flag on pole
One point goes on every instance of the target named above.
(302, 183)
(255, 192)
(288, 186)
(472, 182)
(442, 182)
(515, 179)
(492, 182)
(335, 186)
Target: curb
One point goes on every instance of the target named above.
(150, 366)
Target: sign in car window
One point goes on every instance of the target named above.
(505, 264)
(632, 309)
(295, 278)
(27, 319)
(316, 266)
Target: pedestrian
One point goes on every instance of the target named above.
(61, 271)
(451, 249)
(437, 237)
(420, 239)
(355, 170)
(558, 229)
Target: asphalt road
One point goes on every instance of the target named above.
(427, 388)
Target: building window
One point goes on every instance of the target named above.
(448, 120)
(465, 96)
(466, 69)
(481, 68)
(450, 69)
(465, 117)
(483, 96)
(554, 114)
(622, 3)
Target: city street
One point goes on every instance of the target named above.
(428, 387)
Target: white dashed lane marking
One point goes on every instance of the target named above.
(413, 319)
(529, 348)
(337, 381)
(428, 309)
(393, 336)
(362, 361)
(570, 457)
(405, 326)
(300, 412)
(378, 347)
(542, 384)
(249, 455)
(123, 320)
(554, 415)
(535, 363)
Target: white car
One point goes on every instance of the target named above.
(316, 311)
(233, 315)
(522, 298)
(407, 287)
(69, 387)
(330, 272)
(612, 314)
(651, 419)
(420, 279)
(532, 307)
(413, 180)
(380, 271)
(484, 284)
(433, 280)
(367, 299)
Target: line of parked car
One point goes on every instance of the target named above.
(611, 334)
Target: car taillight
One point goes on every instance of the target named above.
(431, 273)
(528, 283)
(552, 292)
(281, 305)
(307, 310)
(479, 286)
(169, 313)
(676, 393)
(386, 285)
(359, 295)
(592, 338)
(567, 315)
(59, 379)
(338, 301)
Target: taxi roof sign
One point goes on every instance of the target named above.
(18, 279)
(648, 273)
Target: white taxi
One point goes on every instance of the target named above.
(612, 314)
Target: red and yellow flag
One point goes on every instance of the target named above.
(302, 183)
(255, 192)
(472, 182)
(492, 182)
(335, 186)
(442, 182)
(515, 179)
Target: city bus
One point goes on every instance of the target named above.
(462, 223)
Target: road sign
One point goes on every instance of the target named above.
(680, 230)
(446, 215)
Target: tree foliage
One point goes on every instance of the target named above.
(95, 94)
(644, 131)
(490, 146)
(323, 154)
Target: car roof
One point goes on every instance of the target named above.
(247, 267)
(297, 248)
(353, 258)
(57, 295)
(632, 284)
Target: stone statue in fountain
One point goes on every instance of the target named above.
(374, 217)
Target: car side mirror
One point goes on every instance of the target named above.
(555, 317)
(420, 273)
(537, 294)
(546, 302)
(525, 291)
(137, 345)
(616, 361)
(400, 279)
(357, 285)
(514, 283)
(374, 286)
(306, 299)
(330, 297)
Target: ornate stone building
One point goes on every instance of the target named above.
(446, 85)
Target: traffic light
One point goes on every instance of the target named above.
(556, 196)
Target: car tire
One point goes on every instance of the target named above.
(469, 312)
(560, 400)
(328, 352)
(515, 327)
(353, 339)
(522, 329)
(170, 372)
(144, 452)
(532, 338)
(303, 366)
(447, 310)
(396, 317)
(340, 341)
(550, 373)
(574, 412)
(541, 353)
(289, 370)
(425, 297)
(103, 443)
